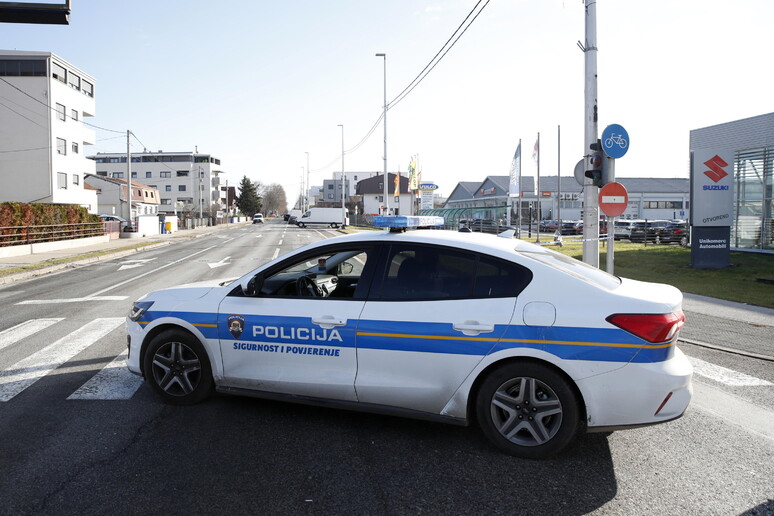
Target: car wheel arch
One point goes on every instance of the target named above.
(169, 326)
(497, 364)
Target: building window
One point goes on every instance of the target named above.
(102, 173)
(74, 115)
(58, 72)
(181, 188)
(182, 173)
(75, 148)
(134, 175)
(148, 175)
(88, 88)
(165, 174)
(61, 180)
(22, 68)
(117, 175)
(168, 188)
(74, 81)
(61, 146)
(166, 202)
(60, 112)
(76, 179)
(330, 187)
(330, 196)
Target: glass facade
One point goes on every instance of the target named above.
(754, 191)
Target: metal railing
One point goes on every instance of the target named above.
(20, 235)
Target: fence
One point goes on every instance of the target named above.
(20, 235)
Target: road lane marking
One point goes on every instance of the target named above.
(276, 253)
(221, 263)
(31, 369)
(751, 417)
(112, 382)
(724, 375)
(23, 330)
(71, 300)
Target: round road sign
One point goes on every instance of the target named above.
(615, 141)
(613, 199)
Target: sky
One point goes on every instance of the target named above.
(260, 84)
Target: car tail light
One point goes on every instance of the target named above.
(651, 327)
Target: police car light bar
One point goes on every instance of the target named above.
(403, 221)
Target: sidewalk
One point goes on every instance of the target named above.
(736, 327)
(51, 261)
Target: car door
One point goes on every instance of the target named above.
(433, 313)
(296, 333)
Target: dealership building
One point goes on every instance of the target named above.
(750, 147)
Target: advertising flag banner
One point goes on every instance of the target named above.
(397, 185)
(413, 179)
(515, 173)
(536, 150)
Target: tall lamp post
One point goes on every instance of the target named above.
(384, 116)
(343, 182)
(308, 186)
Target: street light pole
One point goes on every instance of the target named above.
(384, 116)
(308, 186)
(343, 181)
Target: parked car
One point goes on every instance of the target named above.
(570, 227)
(623, 229)
(548, 225)
(674, 232)
(437, 325)
(484, 226)
(645, 231)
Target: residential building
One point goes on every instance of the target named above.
(111, 195)
(752, 142)
(371, 193)
(188, 183)
(45, 101)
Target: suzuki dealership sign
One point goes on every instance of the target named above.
(712, 207)
(712, 183)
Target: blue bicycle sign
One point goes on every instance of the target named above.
(615, 141)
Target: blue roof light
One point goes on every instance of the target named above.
(403, 221)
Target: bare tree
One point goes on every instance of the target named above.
(274, 199)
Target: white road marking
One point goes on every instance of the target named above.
(221, 263)
(724, 375)
(113, 382)
(71, 300)
(131, 264)
(24, 330)
(276, 253)
(753, 418)
(31, 369)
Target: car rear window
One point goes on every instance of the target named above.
(571, 266)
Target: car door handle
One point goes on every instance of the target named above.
(328, 321)
(473, 327)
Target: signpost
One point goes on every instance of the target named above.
(613, 200)
(615, 141)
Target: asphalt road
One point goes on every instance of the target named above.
(67, 449)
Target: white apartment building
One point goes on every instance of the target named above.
(43, 103)
(111, 193)
(187, 182)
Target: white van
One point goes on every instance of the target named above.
(333, 217)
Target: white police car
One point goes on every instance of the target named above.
(439, 325)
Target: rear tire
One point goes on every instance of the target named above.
(177, 368)
(527, 410)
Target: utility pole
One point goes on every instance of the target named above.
(384, 115)
(590, 192)
(308, 186)
(128, 178)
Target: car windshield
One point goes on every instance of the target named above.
(573, 267)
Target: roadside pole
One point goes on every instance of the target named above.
(590, 192)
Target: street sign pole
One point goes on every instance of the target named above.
(613, 200)
(610, 226)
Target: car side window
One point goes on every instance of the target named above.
(414, 272)
(329, 274)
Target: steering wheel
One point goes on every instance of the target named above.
(306, 287)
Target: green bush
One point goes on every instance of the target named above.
(18, 221)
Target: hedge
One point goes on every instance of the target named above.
(18, 219)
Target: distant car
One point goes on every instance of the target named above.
(485, 226)
(646, 231)
(258, 218)
(674, 232)
(623, 229)
(440, 325)
(570, 227)
(123, 223)
(548, 225)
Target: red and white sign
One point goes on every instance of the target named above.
(613, 199)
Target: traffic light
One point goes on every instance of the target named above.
(598, 162)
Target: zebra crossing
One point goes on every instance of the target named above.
(112, 382)
(115, 382)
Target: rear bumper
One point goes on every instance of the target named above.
(638, 394)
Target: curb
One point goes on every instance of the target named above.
(716, 347)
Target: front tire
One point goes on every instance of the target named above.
(177, 368)
(527, 410)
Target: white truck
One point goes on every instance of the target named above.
(333, 217)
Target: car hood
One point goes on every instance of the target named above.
(189, 291)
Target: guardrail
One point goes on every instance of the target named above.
(20, 235)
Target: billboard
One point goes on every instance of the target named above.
(712, 187)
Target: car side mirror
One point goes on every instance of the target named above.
(347, 268)
(252, 286)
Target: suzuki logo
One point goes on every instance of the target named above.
(716, 172)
